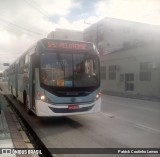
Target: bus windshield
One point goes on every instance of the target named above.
(69, 70)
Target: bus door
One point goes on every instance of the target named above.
(33, 66)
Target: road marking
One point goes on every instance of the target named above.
(141, 126)
(148, 128)
(109, 115)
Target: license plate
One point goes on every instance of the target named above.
(73, 107)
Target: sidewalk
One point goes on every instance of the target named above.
(11, 133)
(5, 137)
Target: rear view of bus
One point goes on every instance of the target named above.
(67, 80)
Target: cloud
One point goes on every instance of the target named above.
(55, 7)
(22, 22)
(33, 16)
(136, 10)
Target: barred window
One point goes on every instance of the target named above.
(103, 72)
(112, 72)
(129, 86)
(129, 79)
(145, 71)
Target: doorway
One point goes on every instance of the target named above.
(129, 82)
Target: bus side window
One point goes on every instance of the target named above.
(21, 65)
(35, 60)
(26, 63)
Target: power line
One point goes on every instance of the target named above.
(5, 25)
(37, 8)
(20, 27)
(12, 28)
(41, 8)
(8, 28)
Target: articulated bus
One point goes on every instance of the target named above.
(57, 78)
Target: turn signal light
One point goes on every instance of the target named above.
(98, 96)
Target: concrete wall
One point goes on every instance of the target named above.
(129, 62)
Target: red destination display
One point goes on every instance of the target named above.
(65, 45)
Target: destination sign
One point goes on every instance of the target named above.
(66, 45)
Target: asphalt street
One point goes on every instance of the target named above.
(139, 112)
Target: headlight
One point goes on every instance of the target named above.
(97, 96)
(43, 97)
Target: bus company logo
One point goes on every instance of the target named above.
(73, 100)
(13, 151)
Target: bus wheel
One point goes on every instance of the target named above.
(26, 104)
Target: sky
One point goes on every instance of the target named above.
(23, 22)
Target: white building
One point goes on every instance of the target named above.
(130, 56)
(66, 34)
(111, 34)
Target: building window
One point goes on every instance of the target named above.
(121, 78)
(129, 82)
(103, 72)
(145, 71)
(112, 72)
(129, 87)
(129, 77)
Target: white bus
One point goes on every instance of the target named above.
(57, 78)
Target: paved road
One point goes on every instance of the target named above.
(140, 112)
(123, 123)
(140, 120)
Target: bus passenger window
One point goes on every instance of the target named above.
(26, 63)
(21, 65)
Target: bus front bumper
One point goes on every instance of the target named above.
(44, 109)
